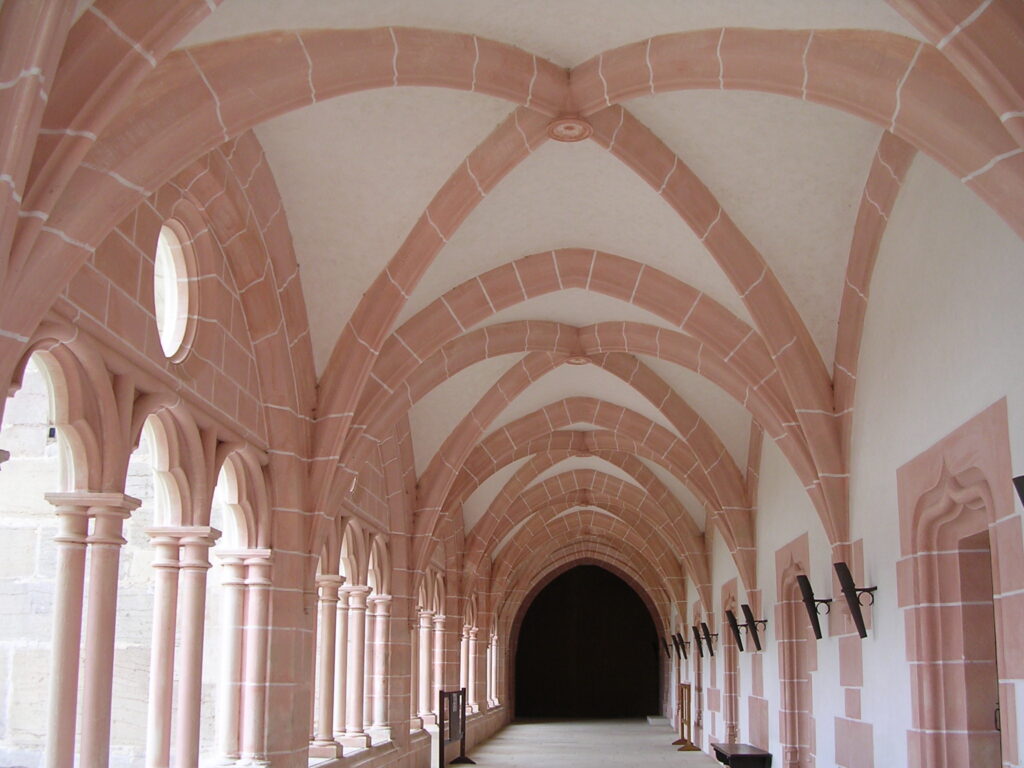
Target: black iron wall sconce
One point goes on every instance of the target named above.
(750, 626)
(681, 644)
(853, 593)
(736, 634)
(696, 638)
(1018, 483)
(708, 634)
(811, 603)
(664, 644)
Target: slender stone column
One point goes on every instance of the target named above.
(341, 661)
(161, 651)
(229, 684)
(368, 666)
(493, 672)
(471, 694)
(439, 650)
(415, 723)
(73, 526)
(258, 564)
(196, 542)
(327, 617)
(464, 659)
(104, 555)
(355, 734)
(382, 612)
(426, 705)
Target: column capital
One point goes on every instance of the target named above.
(439, 620)
(357, 594)
(381, 604)
(258, 563)
(473, 632)
(111, 500)
(425, 613)
(329, 584)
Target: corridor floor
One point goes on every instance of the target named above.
(587, 744)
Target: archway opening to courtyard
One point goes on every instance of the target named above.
(587, 648)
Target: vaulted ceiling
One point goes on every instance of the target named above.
(626, 311)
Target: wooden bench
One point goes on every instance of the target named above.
(742, 756)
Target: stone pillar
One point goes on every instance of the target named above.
(355, 734)
(471, 694)
(426, 689)
(104, 556)
(258, 564)
(195, 562)
(439, 650)
(382, 613)
(229, 683)
(324, 744)
(341, 662)
(368, 666)
(415, 723)
(161, 651)
(72, 532)
(493, 673)
(464, 659)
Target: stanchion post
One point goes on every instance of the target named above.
(462, 759)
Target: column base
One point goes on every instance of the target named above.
(355, 740)
(428, 718)
(379, 734)
(415, 723)
(324, 749)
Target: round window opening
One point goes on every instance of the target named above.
(170, 291)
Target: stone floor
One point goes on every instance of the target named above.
(585, 743)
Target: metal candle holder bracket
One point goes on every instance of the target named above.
(735, 627)
(708, 634)
(750, 625)
(696, 639)
(681, 644)
(853, 594)
(811, 603)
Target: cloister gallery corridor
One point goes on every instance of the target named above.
(371, 366)
(586, 744)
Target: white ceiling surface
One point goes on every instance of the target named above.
(580, 381)
(717, 407)
(679, 490)
(579, 308)
(478, 502)
(434, 417)
(357, 171)
(568, 195)
(355, 174)
(585, 462)
(566, 32)
(790, 173)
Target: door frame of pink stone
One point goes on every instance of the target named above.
(955, 498)
(730, 666)
(798, 657)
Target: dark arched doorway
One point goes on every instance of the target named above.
(587, 648)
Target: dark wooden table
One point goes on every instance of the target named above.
(742, 756)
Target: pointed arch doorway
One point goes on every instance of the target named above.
(586, 647)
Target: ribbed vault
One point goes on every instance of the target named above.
(461, 364)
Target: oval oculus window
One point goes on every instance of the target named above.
(170, 291)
